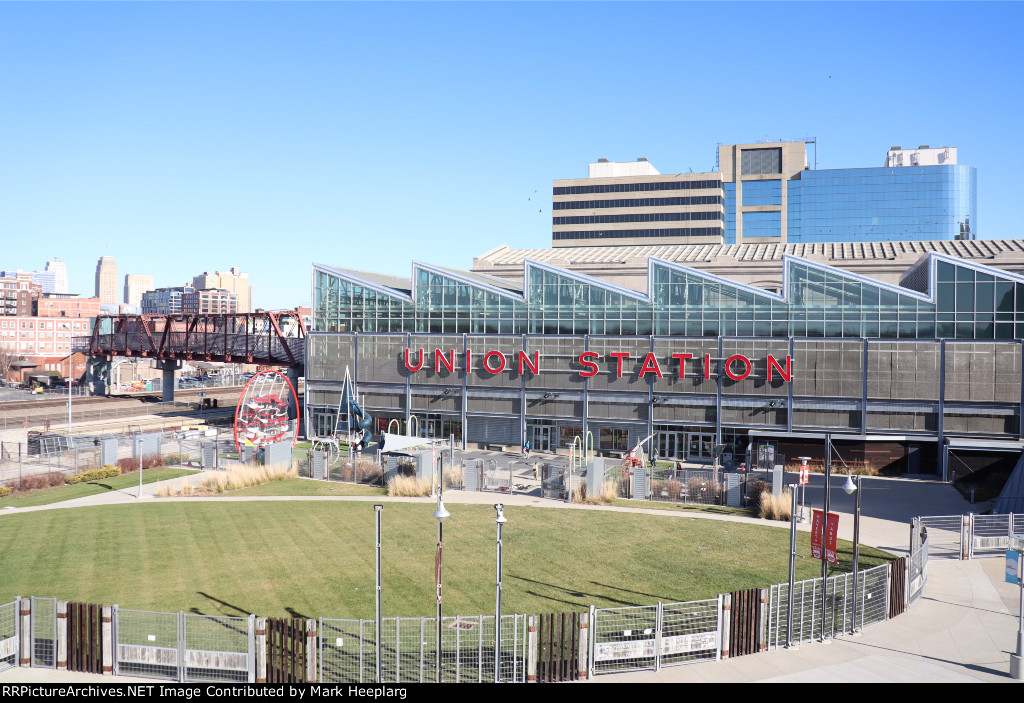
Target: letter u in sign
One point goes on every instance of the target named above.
(418, 366)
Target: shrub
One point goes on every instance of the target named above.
(656, 487)
(369, 472)
(38, 481)
(453, 477)
(609, 492)
(704, 490)
(177, 459)
(5, 491)
(130, 464)
(674, 489)
(106, 471)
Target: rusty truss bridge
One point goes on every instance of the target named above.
(273, 338)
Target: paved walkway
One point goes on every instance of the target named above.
(961, 630)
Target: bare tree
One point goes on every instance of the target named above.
(7, 360)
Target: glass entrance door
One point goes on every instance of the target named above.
(670, 445)
(541, 438)
(699, 446)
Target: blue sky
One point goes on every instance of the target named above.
(184, 137)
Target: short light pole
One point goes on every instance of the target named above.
(792, 567)
(803, 482)
(138, 448)
(377, 510)
(440, 515)
(1013, 562)
(70, 382)
(500, 520)
(854, 486)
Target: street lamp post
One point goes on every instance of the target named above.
(792, 567)
(854, 486)
(377, 510)
(824, 536)
(440, 515)
(500, 520)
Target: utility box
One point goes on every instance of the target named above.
(595, 476)
(108, 452)
(278, 454)
(317, 463)
(733, 490)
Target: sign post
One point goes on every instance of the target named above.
(1013, 575)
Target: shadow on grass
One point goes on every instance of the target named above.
(568, 592)
(663, 599)
(207, 596)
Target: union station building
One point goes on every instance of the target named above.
(907, 354)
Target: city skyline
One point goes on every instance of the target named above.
(269, 137)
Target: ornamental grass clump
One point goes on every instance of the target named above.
(248, 475)
(408, 487)
(773, 507)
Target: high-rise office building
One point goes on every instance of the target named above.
(135, 285)
(106, 280)
(234, 281)
(60, 275)
(767, 193)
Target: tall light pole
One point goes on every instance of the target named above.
(792, 567)
(377, 510)
(500, 520)
(440, 515)
(854, 486)
(824, 536)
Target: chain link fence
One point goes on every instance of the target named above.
(44, 632)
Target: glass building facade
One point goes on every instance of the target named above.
(944, 298)
(695, 362)
(882, 204)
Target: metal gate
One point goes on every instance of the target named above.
(558, 647)
(497, 478)
(181, 647)
(990, 534)
(287, 645)
(945, 535)
(553, 481)
(44, 632)
(9, 635)
(348, 650)
(651, 636)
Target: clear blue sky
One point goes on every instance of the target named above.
(183, 137)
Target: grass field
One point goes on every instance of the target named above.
(115, 483)
(317, 558)
(309, 487)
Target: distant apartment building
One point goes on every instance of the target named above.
(106, 280)
(768, 193)
(164, 301)
(209, 301)
(17, 293)
(44, 342)
(66, 305)
(234, 281)
(135, 285)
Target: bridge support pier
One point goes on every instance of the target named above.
(168, 366)
(97, 375)
(293, 374)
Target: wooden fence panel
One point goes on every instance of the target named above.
(897, 587)
(558, 647)
(745, 622)
(286, 650)
(85, 638)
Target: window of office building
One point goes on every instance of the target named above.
(762, 224)
(762, 193)
(760, 161)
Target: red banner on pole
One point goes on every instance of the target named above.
(831, 533)
(816, 521)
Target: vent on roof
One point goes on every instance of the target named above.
(602, 161)
(895, 148)
(924, 146)
(642, 158)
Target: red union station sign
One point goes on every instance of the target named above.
(737, 367)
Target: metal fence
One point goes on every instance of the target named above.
(57, 417)
(917, 569)
(44, 632)
(184, 647)
(348, 650)
(9, 635)
(811, 623)
(969, 536)
(648, 637)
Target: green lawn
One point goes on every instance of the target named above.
(679, 507)
(317, 558)
(115, 483)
